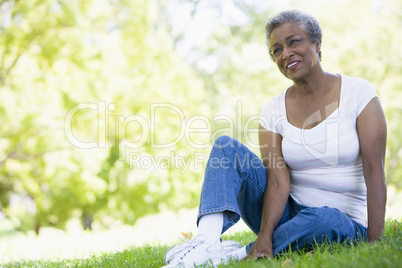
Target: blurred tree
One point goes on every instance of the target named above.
(109, 108)
(31, 43)
(74, 76)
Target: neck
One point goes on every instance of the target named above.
(315, 83)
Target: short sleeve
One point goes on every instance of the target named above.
(364, 94)
(271, 115)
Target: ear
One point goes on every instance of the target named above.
(318, 46)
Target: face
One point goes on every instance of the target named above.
(294, 54)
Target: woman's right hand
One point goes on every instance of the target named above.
(276, 192)
(262, 248)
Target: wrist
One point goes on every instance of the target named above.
(375, 232)
(265, 236)
(373, 237)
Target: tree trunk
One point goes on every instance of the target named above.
(87, 220)
(37, 228)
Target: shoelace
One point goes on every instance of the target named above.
(193, 245)
(174, 251)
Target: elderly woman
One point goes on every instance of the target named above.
(321, 173)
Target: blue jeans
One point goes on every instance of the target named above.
(234, 183)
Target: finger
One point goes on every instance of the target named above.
(263, 255)
(250, 256)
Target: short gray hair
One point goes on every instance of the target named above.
(306, 22)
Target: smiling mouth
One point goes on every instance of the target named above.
(292, 64)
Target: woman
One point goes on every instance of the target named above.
(321, 178)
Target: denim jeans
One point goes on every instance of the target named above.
(234, 183)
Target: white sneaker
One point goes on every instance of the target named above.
(199, 252)
(173, 251)
(237, 254)
(229, 246)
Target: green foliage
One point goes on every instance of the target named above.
(98, 55)
(91, 91)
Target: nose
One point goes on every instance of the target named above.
(287, 52)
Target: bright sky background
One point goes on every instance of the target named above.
(226, 12)
(197, 28)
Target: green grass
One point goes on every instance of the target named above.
(387, 253)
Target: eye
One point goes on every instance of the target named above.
(276, 51)
(294, 41)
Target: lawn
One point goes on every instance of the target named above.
(386, 253)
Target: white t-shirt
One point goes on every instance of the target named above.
(325, 161)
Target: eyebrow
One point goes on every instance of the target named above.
(286, 39)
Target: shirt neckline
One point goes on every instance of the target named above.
(335, 112)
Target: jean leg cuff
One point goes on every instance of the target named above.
(230, 216)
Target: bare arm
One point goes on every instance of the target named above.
(372, 131)
(276, 192)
